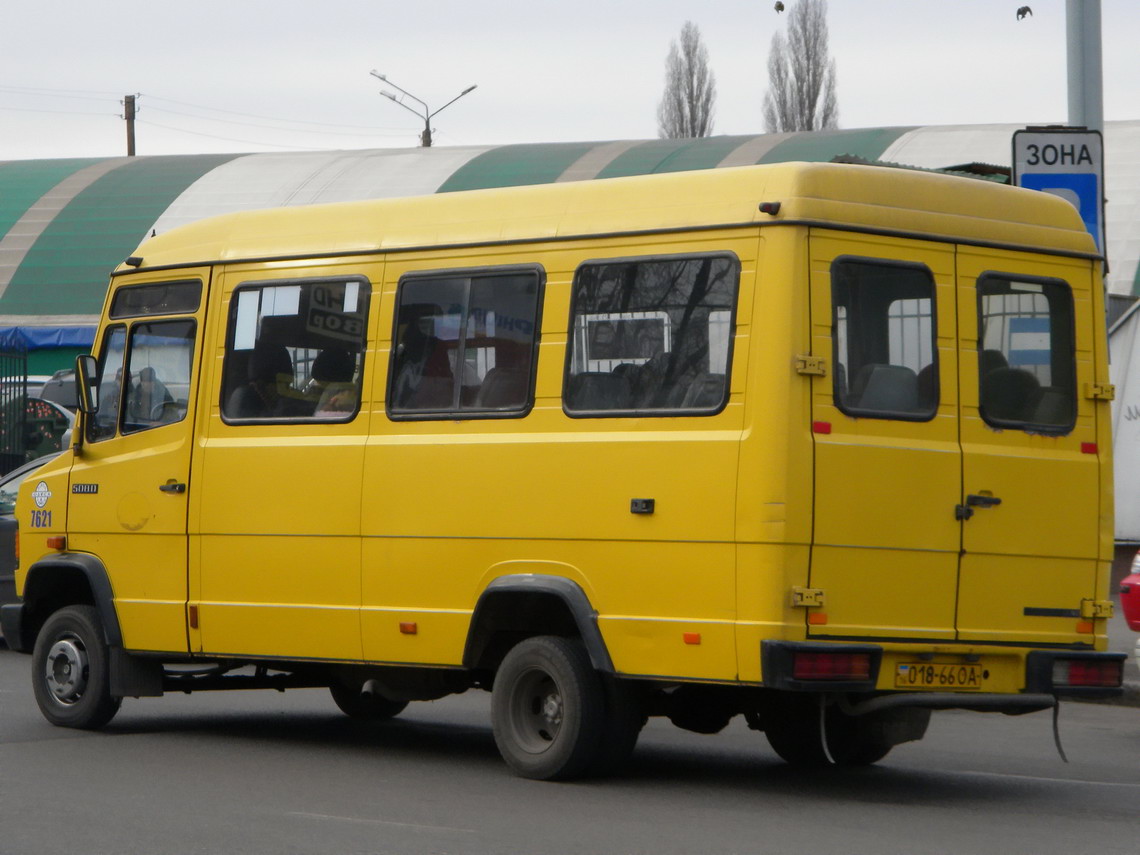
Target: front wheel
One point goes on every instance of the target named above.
(70, 670)
(548, 709)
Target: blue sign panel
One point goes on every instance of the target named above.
(1066, 162)
(1082, 189)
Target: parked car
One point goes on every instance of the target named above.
(1130, 601)
(32, 387)
(9, 486)
(47, 429)
(60, 389)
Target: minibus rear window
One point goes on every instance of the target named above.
(1026, 358)
(886, 365)
(651, 336)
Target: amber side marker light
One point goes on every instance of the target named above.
(1088, 672)
(831, 666)
(409, 628)
(57, 541)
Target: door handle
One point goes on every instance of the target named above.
(173, 487)
(973, 500)
(976, 501)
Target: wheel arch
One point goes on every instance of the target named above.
(518, 606)
(65, 580)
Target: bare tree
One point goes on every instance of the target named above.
(801, 78)
(686, 108)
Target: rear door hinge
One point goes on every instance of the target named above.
(807, 598)
(1100, 391)
(1091, 609)
(814, 366)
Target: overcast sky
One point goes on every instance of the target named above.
(274, 75)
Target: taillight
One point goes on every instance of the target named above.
(831, 666)
(1091, 673)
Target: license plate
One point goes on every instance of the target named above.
(936, 675)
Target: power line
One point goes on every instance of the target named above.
(56, 112)
(374, 131)
(97, 95)
(76, 94)
(253, 115)
(227, 139)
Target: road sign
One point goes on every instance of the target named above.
(1067, 162)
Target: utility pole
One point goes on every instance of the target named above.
(129, 115)
(426, 113)
(1086, 81)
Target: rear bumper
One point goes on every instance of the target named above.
(1021, 680)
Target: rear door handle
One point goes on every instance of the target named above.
(976, 501)
(173, 487)
(973, 500)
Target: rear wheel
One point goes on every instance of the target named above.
(797, 725)
(70, 670)
(548, 710)
(356, 703)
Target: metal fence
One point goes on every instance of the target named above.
(13, 408)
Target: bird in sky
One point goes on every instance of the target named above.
(1021, 13)
(779, 6)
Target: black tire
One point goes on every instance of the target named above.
(855, 740)
(70, 673)
(370, 707)
(548, 709)
(792, 726)
(795, 732)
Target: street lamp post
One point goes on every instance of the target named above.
(426, 113)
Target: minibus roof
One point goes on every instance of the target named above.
(865, 198)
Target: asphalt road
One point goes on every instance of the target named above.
(263, 772)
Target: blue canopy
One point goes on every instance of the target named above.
(40, 338)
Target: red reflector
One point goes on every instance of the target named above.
(57, 541)
(691, 637)
(408, 628)
(1088, 448)
(821, 427)
(831, 666)
(1094, 673)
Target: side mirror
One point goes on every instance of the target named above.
(87, 384)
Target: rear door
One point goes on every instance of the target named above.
(1030, 458)
(885, 422)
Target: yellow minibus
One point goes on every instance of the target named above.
(823, 445)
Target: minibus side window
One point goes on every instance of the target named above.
(158, 368)
(295, 351)
(1026, 358)
(104, 421)
(464, 344)
(886, 365)
(651, 336)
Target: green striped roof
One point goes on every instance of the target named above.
(65, 271)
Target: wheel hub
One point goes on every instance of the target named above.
(66, 670)
(552, 710)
